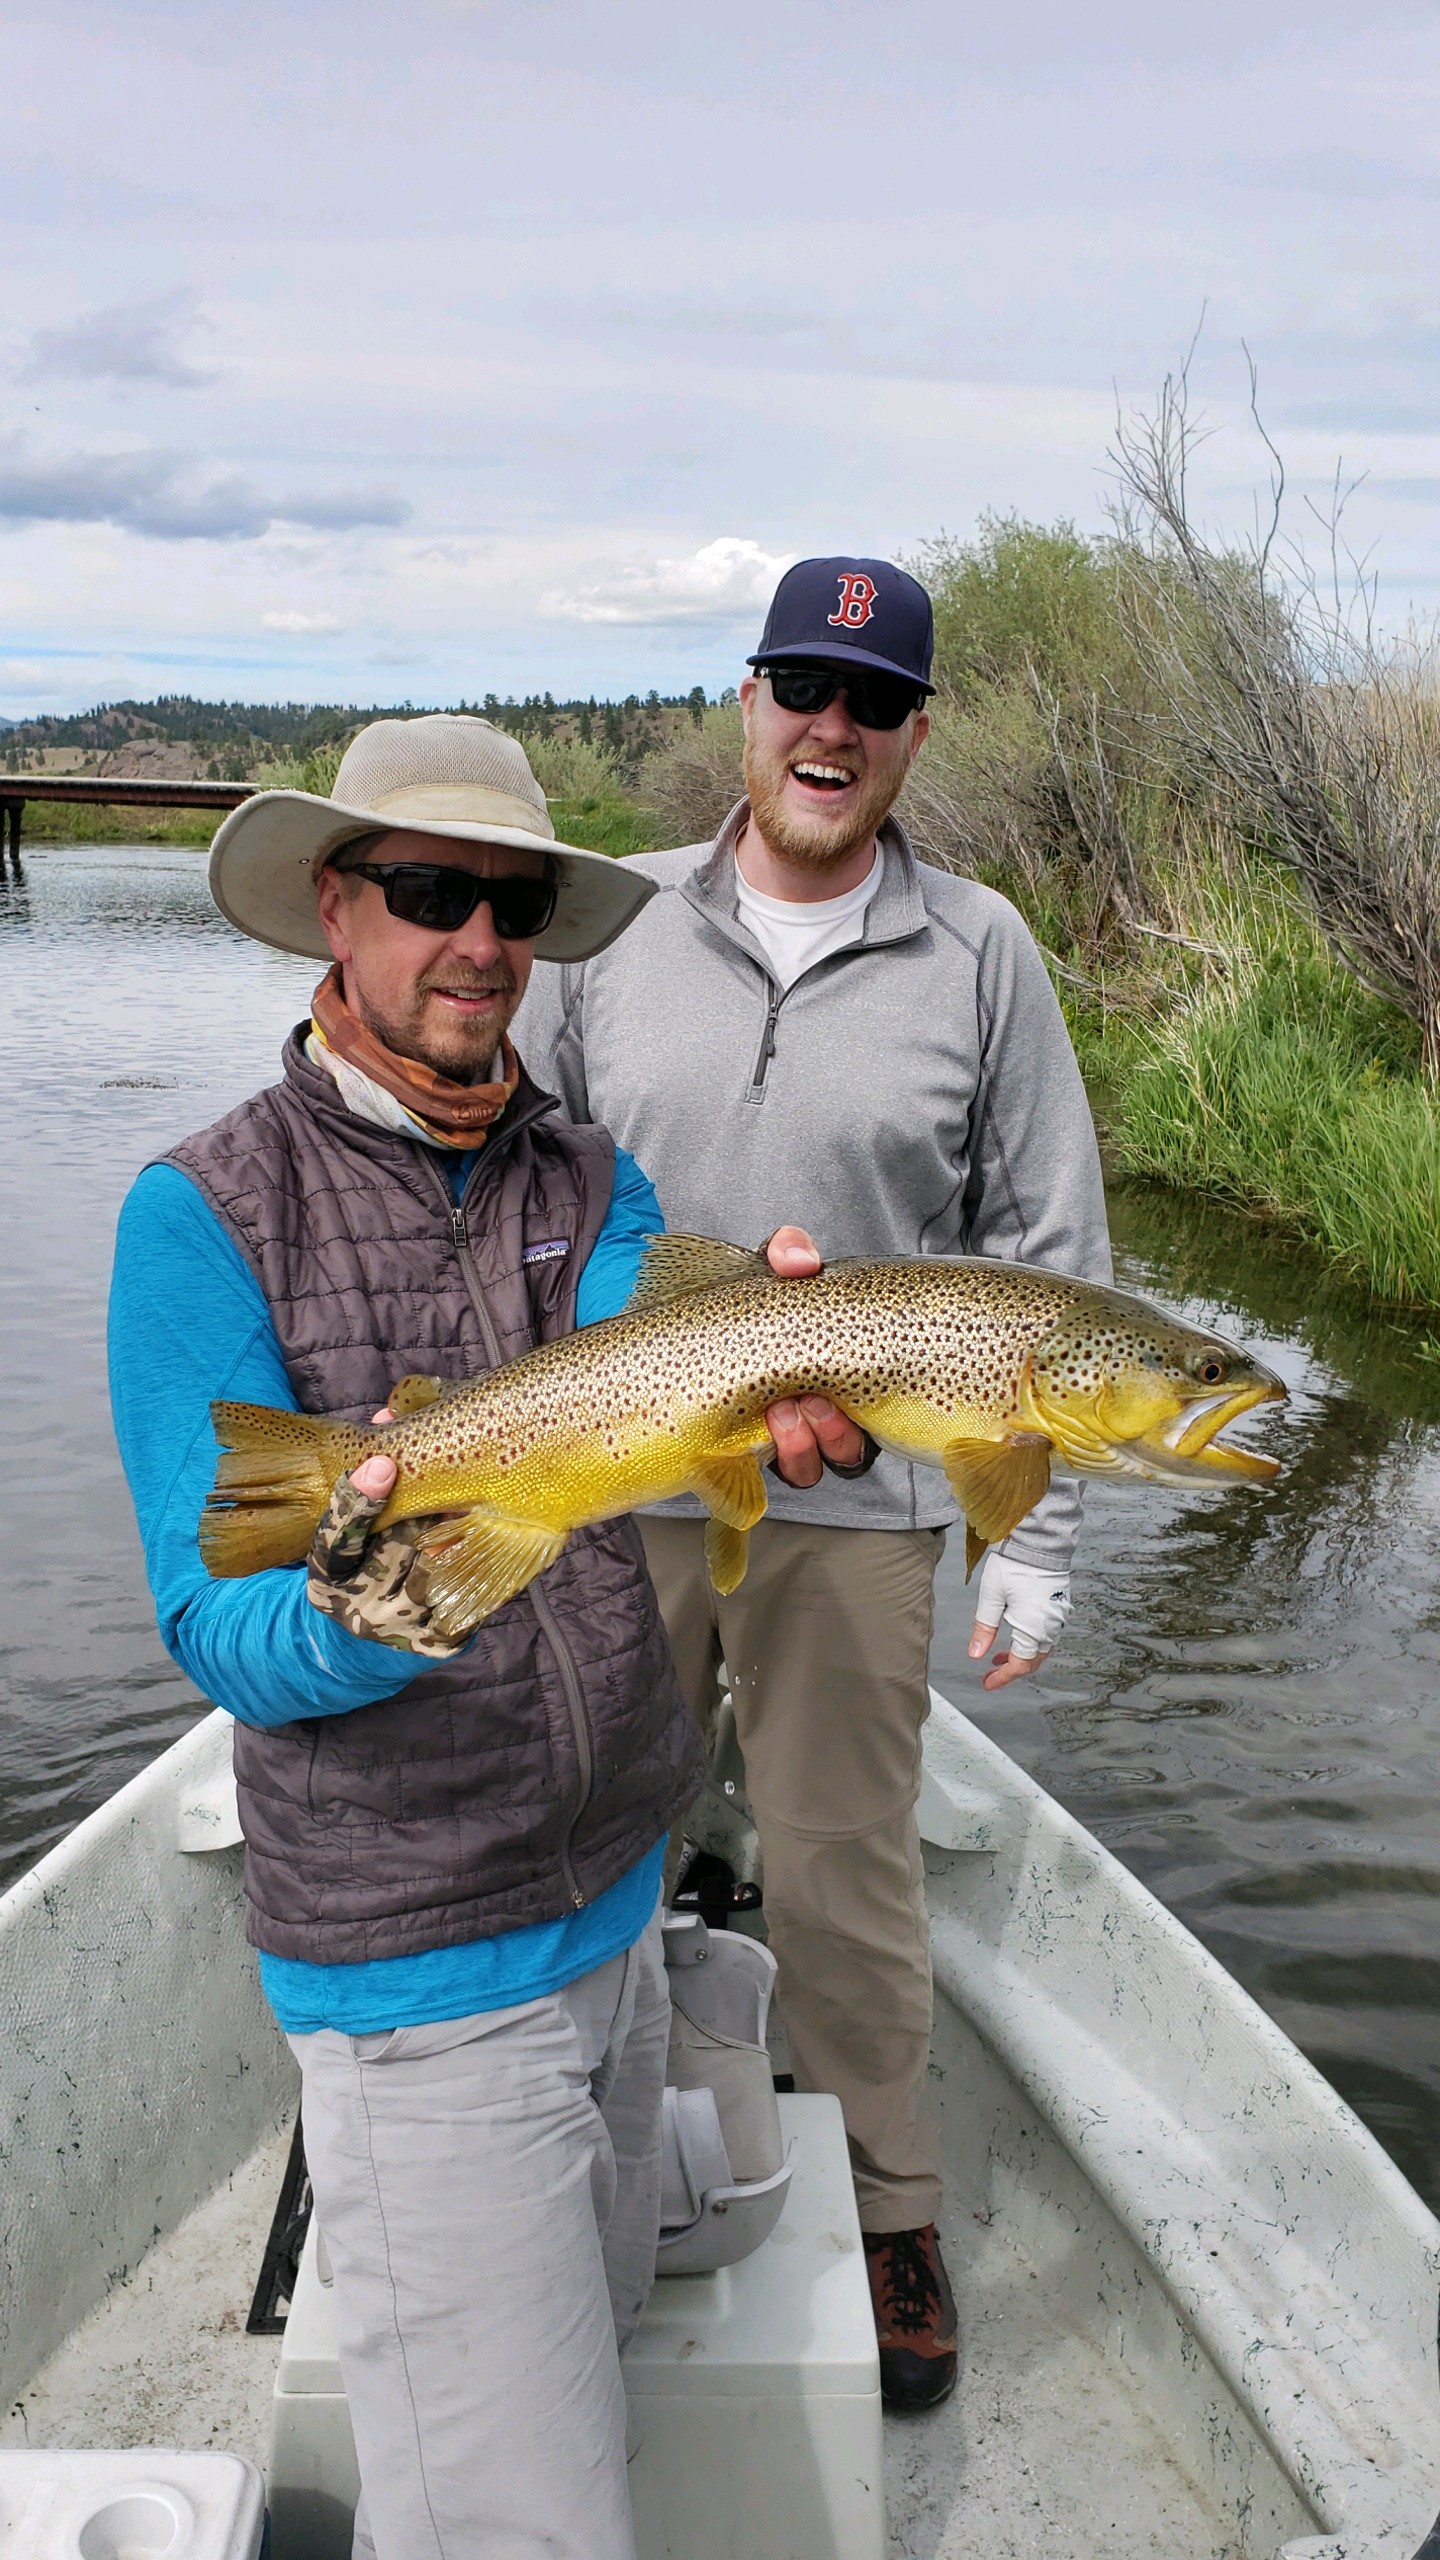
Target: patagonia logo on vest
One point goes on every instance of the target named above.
(554, 1249)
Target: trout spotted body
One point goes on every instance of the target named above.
(993, 1371)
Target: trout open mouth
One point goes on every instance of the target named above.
(1189, 1447)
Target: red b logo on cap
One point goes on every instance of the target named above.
(857, 601)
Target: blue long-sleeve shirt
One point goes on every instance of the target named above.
(189, 1323)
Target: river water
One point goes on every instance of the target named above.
(1246, 1707)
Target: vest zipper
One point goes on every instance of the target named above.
(549, 1624)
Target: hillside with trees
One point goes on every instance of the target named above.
(237, 741)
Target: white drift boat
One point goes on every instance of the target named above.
(1198, 2303)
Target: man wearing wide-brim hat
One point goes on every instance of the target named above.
(453, 1852)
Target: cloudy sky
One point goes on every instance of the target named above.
(391, 352)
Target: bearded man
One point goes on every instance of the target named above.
(807, 1022)
(452, 1851)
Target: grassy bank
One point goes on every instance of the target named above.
(64, 822)
(1285, 1090)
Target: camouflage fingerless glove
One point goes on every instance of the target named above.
(365, 1581)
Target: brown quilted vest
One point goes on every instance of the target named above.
(520, 1780)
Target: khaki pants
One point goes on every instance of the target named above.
(827, 1642)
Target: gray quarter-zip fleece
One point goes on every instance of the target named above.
(915, 1092)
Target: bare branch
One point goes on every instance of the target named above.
(1207, 950)
(1325, 737)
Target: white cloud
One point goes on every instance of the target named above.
(718, 583)
(302, 626)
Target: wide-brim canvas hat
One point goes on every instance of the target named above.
(447, 773)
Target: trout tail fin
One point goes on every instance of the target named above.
(276, 1473)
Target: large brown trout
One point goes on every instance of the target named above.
(995, 1371)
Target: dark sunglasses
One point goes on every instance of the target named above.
(877, 701)
(441, 898)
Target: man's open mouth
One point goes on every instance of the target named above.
(823, 777)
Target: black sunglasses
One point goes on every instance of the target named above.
(877, 701)
(441, 897)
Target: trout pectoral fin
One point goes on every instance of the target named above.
(673, 1266)
(732, 1490)
(412, 1394)
(975, 1547)
(470, 1565)
(727, 1552)
(997, 1481)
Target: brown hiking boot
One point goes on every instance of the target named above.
(914, 2317)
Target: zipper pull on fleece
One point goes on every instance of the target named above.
(458, 1228)
(767, 1042)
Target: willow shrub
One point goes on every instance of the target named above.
(589, 804)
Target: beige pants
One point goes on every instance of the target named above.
(827, 1642)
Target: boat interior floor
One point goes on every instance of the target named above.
(1045, 2453)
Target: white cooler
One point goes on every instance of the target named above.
(129, 2506)
(754, 2394)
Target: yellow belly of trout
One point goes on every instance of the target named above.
(668, 1398)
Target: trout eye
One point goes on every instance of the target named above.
(1209, 1368)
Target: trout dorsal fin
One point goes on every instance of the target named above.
(675, 1266)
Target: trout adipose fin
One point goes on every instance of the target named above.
(733, 1492)
(996, 1482)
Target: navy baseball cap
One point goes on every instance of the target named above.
(848, 613)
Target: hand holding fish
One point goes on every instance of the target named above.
(366, 1582)
(813, 1433)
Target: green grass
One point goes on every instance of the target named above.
(1296, 1096)
(71, 822)
(602, 822)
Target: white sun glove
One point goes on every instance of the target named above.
(1036, 1603)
